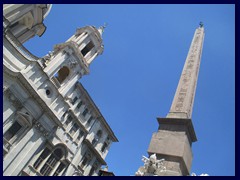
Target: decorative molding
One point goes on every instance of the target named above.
(186, 89)
(152, 166)
(41, 129)
(26, 118)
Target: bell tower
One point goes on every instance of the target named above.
(70, 60)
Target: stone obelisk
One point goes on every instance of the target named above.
(175, 134)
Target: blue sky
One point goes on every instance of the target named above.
(134, 80)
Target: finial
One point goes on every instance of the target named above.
(201, 24)
(104, 25)
(101, 28)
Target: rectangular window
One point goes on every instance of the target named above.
(81, 134)
(12, 130)
(87, 48)
(79, 105)
(68, 121)
(85, 112)
(64, 114)
(14, 133)
(74, 129)
(74, 100)
(105, 145)
(94, 141)
(89, 120)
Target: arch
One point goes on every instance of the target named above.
(61, 147)
(52, 160)
(62, 74)
(87, 48)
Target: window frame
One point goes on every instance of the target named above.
(24, 119)
(87, 48)
(85, 112)
(49, 166)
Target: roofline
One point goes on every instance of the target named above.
(101, 118)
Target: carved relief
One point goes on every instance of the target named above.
(189, 66)
(186, 77)
(72, 62)
(40, 128)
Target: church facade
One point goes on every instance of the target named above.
(51, 126)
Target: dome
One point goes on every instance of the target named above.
(47, 10)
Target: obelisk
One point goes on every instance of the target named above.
(175, 134)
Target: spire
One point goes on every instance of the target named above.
(184, 97)
(101, 28)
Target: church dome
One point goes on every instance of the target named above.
(47, 10)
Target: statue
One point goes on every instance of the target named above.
(193, 174)
(101, 28)
(151, 166)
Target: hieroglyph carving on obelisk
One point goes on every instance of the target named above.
(184, 97)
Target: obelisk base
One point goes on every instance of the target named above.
(173, 143)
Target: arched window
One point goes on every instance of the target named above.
(87, 48)
(62, 74)
(51, 163)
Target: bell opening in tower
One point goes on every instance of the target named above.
(87, 48)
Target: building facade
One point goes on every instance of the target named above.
(51, 126)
